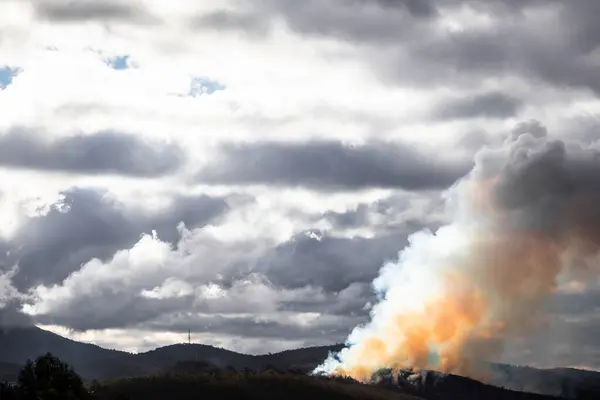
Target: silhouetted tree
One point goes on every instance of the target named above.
(8, 392)
(586, 394)
(27, 386)
(48, 378)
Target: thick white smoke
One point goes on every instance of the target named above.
(525, 215)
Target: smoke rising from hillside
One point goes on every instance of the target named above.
(525, 219)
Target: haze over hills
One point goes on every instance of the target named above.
(94, 362)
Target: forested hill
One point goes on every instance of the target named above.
(93, 362)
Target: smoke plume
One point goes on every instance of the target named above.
(525, 219)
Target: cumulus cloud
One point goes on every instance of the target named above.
(198, 280)
(90, 223)
(201, 278)
(403, 209)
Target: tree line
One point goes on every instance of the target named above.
(49, 378)
(46, 378)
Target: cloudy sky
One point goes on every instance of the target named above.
(244, 168)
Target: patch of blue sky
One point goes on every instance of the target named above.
(6, 75)
(119, 63)
(200, 86)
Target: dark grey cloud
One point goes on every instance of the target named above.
(404, 42)
(399, 211)
(252, 327)
(108, 310)
(344, 19)
(221, 19)
(416, 8)
(100, 153)
(11, 301)
(501, 6)
(576, 304)
(330, 165)
(11, 316)
(330, 262)
(94, 10)
(348, 20)
(351, 301)
(486, 105)
(363, 21)
(569, 334)
(48, 248)
(355, 218)
(584, 334)
(524, 45)
(181, 314)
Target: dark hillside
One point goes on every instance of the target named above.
(169, 355)
(93, 362)
(437, 386)
(20, 344)
(243, 385)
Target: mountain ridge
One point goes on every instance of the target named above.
(95, 362)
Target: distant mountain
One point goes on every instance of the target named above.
(166, 356)
(22, 343)
(94, 362)
(438, 386)
(566, 382)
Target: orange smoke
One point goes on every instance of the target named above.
(445, 323)
(488, 289)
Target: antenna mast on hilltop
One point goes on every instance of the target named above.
(190, 342)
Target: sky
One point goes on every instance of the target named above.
(243, 169)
